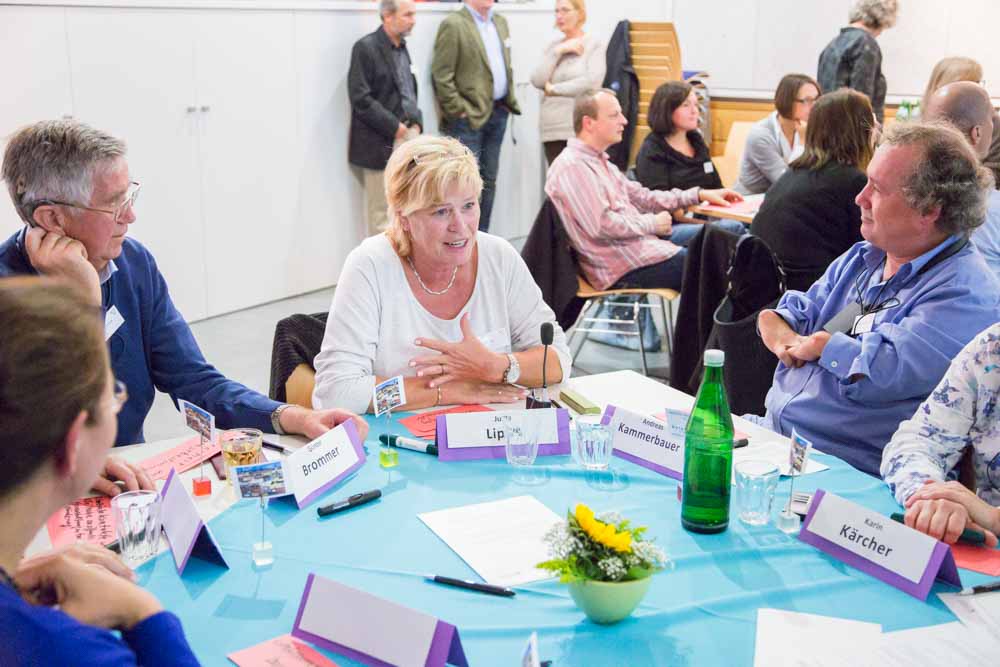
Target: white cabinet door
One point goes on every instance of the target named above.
(35, 78)
(249, 153)
(133, 76)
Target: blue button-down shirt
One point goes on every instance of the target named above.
(494, 51)
(851, 400)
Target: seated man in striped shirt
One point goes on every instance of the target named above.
(624, 234)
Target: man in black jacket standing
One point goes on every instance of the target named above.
(383, 91)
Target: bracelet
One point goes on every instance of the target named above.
(276, 418)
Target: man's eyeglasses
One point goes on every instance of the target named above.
(118, 211)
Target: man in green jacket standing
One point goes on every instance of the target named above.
(474, 86)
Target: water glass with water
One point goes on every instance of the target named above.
(520, 438)
(137, 524)
(755, 485)
(592, 444)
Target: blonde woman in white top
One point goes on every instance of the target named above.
(453, 309)
(570, 66)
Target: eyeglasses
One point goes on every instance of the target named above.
(118, 211)
(808, 101)
(119, 397)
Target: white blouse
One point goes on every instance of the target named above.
(375, 318)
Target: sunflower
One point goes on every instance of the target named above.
(601, 532)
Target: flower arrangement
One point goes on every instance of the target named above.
(600, 548)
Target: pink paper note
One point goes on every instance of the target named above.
(283, 651)
(183, 457)
(423, 425)
(86, 520)
(978, 559)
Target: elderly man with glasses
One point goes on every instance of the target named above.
(70, 184)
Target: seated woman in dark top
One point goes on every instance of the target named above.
(58, 406)
(809, 217)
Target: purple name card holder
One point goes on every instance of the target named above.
(609, 414)
(561, 447)
(940, 566)
(359, 449)
(186, 533)
(373, 630)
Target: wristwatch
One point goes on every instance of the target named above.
(276, 418)
(513, 372)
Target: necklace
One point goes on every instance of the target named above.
(421, 281)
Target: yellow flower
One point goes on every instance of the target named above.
(601, 532)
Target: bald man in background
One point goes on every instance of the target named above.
(967, 106)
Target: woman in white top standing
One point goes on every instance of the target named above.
(779, 138)
(453, 309)
(570, 66)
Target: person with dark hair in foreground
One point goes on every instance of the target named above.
(58, 416)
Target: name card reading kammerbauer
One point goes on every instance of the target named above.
(482, 435)
(318, 466)
(874, 543)
(648, 441)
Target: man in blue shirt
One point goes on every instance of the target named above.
(866, 344)
(70, 184)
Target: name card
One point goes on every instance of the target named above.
(648, 441)
(481, 435)
(372, 630)
(186, 533)
(873, 543)
(315, 468)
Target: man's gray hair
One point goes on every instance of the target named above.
(874, 14)
(947, 174)
(388, 7)
(56, 160)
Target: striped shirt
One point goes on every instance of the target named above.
(610, 220)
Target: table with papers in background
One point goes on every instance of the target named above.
(703, 612)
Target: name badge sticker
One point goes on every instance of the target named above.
(113, 321)
(873, 543)
(709, 167)
(648, 441)
(863, 324)
(326, 461)
(481, 435)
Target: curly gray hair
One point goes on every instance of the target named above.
(874, 14)
(947, 175)
(56, 160)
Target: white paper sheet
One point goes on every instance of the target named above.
(777, 453)
(977, 612)
(500, 540)
(792, 639)
(950, 644)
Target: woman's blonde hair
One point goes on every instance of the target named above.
(581, 10)
(950, 70)
(419, 174)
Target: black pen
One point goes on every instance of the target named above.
(408, 443)
(348, 503)
(276, 446)
(982, 588)
(489, 589)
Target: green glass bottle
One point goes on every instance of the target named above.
(708, 454)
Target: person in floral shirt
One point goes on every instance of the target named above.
(925, 451)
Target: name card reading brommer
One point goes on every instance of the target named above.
(315, 468)
(873, 543)
(648, 441)
(482, 435)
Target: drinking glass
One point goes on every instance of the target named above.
(240, 447)
(755, 485)
(592, 444)
(520, 439)
(137, 524)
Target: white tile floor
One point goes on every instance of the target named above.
(239, 344)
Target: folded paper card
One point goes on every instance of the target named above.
(181, 458)
(481, 435)
(424, 424)
(373, 630)
(873, 543)
(186, 533)
(283, 651)
(86, 520)
(647, 441)
(317, 467)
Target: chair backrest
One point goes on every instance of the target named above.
(729, 164)
(756, 276)
(297, 341)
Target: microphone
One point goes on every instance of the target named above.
(547, 335)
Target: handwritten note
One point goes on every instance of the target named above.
(283, 651)
(183, 457)
(423, 425)
(85, 520)
(978, 559)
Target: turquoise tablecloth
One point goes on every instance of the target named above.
(701, 613)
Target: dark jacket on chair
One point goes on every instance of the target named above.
(552, 263)
(622, 79)
(376, 102)
(297, 340)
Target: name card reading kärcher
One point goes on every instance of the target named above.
(482, 435)
(648, 441)
(317, 467)
(873, 543)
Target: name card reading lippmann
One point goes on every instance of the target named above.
(646, 441)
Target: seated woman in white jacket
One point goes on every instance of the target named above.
(453, 309)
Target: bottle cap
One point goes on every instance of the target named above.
(714, 357)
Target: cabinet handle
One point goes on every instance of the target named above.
(205, 107)
(192, 109)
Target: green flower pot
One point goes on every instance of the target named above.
(607, 602)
